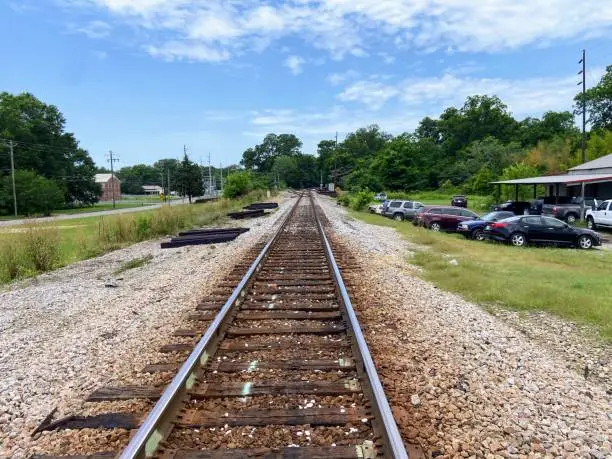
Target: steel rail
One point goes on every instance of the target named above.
(145, 441)
(391, 432)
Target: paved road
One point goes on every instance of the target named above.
(102, 213)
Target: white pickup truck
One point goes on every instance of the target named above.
(601, 216)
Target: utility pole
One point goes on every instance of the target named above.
(583, 83)
(221, 169)
(13, 177)
(202, 175)
(112, 160)
(209, 176)
(169, 191)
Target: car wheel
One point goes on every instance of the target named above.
(518, 239)
(398, 217)
(435, 226)
(585, 242)
(571, 219)
(478, 235)
(591, 223)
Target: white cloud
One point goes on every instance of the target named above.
(337, 78)
(179, 50)
(524, 97)
(353, 27)
(295, 64)
(371, 93)
(94, 29)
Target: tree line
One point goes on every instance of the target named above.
(465, 148)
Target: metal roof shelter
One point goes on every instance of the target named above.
(574, 179)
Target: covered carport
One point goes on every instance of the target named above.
(572, 185)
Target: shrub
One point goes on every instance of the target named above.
(360, 200)
(237, 184)
(35, 194)
(12, 262)
(344, 199)
(42, 247)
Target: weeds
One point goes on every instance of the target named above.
(133, 264)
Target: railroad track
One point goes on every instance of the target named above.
(280, 368)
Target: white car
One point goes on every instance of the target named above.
(602, 216)
(375, 209)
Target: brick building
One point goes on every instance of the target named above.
(107, 183)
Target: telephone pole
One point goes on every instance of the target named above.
(112, 160)
(221, 170)
(583, 83)
(209, 176)
(13, 177)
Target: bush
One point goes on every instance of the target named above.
(343, 199)
(360, 200)
(237, 184)
(42, 247)
(12, 261)
(35, 194)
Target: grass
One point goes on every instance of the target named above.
(477, 203)
(570, 283)
(101, 207)
(27, 250)
(133, 264)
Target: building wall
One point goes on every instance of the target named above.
(601, 170)
(107, 189)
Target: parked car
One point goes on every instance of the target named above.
(403, 210)
(443, 218)
(522, 230)
(516, 207)
(474, 229)
(380, 197)
(601, 216)
(570, 211)
(375, 208)
(536, 204)
(459, 200)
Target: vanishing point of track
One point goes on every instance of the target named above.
(284, 355)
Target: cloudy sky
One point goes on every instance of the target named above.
(144, 77)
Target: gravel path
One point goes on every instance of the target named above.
(465, 383)
(65, 333)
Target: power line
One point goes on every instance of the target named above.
(112, 160)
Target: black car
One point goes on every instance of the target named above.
(474, 229)
(516, 207)
(459, 200)
(519, 231)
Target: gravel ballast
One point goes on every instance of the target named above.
(463, 382)
(66, 333)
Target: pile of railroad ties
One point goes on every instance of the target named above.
(218, 235)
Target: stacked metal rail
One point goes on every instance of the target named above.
(278, 356)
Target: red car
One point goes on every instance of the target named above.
(443, 218)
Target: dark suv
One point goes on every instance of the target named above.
(459, 200)
(442, 218)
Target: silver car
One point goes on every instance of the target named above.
(402, 210)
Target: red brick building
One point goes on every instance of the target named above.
(107, 183)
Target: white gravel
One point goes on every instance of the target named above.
(64, 334)
(485, 387)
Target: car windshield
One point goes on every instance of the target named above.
(491, 216)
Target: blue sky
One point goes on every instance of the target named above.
(145, 77)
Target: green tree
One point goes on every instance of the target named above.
(168, 167)
(42, 145)
(133, 178)
(552, 124)
(599, 144)
(598, 101)
(261, 157)
(238, 184)
(35, 194)
(189, 178)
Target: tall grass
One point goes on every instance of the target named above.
(37, 248)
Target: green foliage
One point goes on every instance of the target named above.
(133, 264)
(41, 245)
(189, 179)
(599, 144)
(360, 200)
(262, 156)
(35, 194)
(479, 183)
(237, 184)
(344, 199)
(598, 102)
(42, 145)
